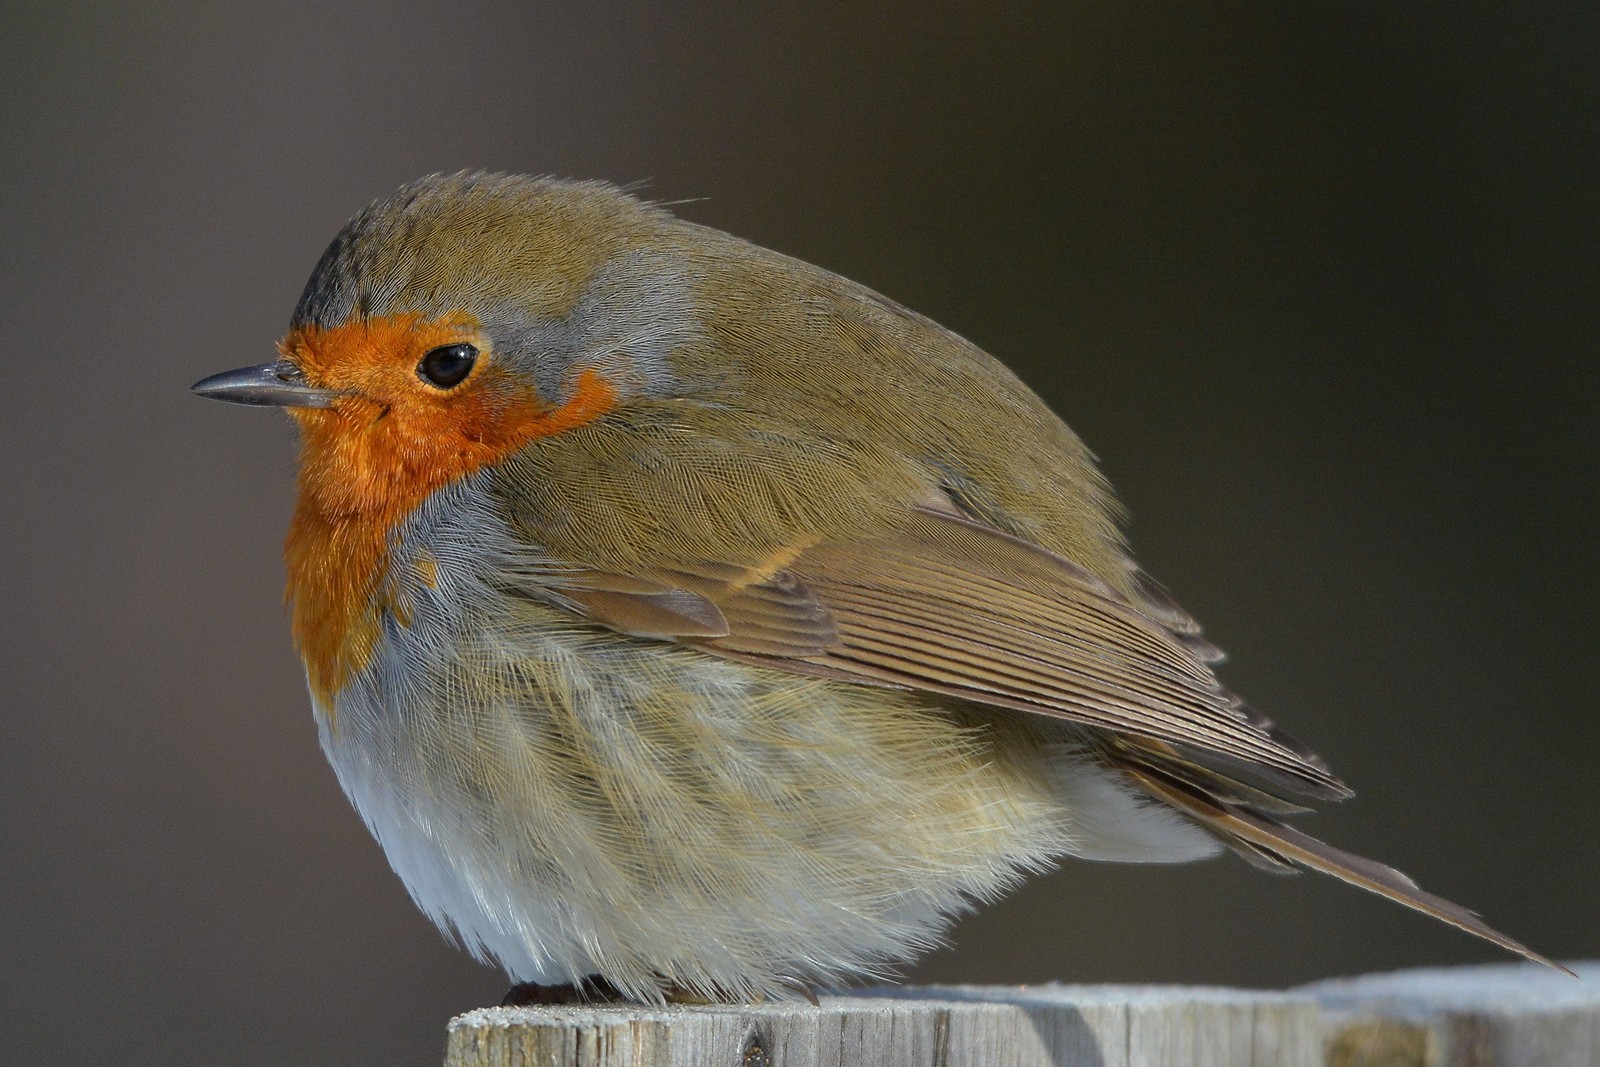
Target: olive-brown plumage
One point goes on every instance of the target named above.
(682, 614)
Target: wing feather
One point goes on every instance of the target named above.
(950, 605)
(1261, 837)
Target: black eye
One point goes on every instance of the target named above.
(446, 365)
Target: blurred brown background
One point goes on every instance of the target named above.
(1318, 282)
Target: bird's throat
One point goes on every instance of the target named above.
(357, 486)
(363, 471)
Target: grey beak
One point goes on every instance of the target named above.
(277, 384)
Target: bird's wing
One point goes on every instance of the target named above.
(1259, 835)
(948, 605)
(952, 606)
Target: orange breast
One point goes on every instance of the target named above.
(368, 462)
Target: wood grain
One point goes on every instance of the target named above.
(1509, 1015)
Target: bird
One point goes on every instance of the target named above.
(686, 621)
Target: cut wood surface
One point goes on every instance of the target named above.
(1504, 1015)
(1507, 1015)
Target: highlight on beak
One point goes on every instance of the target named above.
(277, 384)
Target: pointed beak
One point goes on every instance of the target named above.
(277, 384)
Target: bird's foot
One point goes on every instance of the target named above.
(794, 985)
(596, 990)
(589, 991)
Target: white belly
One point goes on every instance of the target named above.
(567, 801)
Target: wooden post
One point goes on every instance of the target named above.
(1502, 1015)
(1507, 1015)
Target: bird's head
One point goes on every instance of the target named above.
(452, 323)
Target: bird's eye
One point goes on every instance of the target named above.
(447, 365)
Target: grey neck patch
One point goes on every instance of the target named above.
(633, 316)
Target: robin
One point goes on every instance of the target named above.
(686, 620)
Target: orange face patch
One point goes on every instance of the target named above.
(369, 460)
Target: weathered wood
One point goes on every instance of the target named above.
(1503, 1015)
(1520, 1015)
(1043, 1026)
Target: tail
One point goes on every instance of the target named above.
(1226, 808)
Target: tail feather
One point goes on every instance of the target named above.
(1265, 841)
